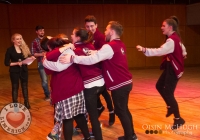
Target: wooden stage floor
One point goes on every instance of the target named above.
(146, 105)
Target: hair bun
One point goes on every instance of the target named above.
(175, 18)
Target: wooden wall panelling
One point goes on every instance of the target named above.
(155, 14)
(154, 37)
(4, 69)
(28, 16)
(135, 59)
(193, 57)
(183, 33)
(154, 61)
(134, 15)
(81, 11)
(67, 31)
(114, 12)
(133, 36)
(65, 16)
(192, 35)
(5, 39)
(4, 16)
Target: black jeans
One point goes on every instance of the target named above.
(15, 77)
(91, 95)
(166, 85)
(68, 126)
(120, 100)
(108, 100)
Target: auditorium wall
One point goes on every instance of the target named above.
(141, 24)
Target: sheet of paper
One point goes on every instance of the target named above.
(28, 61)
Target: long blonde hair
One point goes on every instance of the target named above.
(24, 47)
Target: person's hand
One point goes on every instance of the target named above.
(65, 58)
(139, 48)
(43, 53)
(90, 52)
(19, 63)
(33, 57)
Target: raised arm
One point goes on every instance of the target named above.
(166, 48)
(57, 66)
(104, 53)
(52, 55)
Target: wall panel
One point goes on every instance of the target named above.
(88, 9)
(141, 24)
(193, 57)
(114, 12)
(153, 61)
(134, 15)
(154, 37)
(192, 35)
(4, 69)
(28, 16)
(5, 40)
(155, 14)
(134, 36)
(135, 59)
(4, 16)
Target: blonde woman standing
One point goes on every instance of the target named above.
(18, 71)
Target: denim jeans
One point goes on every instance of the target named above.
(44, 79)
(120, 98)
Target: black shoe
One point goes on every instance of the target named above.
(123, 138)
(27, 105)
(170, 111)
(177, 123)
(101, 110)
(111, 119)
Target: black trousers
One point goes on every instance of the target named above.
(107, 98)
(15, 77)
(68, 126)
(91, 95)
(166, 86)
(120, 98)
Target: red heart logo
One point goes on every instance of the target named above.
(15, 119)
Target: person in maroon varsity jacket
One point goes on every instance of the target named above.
(92, 76)
(173, 64)
(117, 77)
(66, 93)
(98, 41)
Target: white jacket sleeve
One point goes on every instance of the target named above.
(57, 66)
(166, 48)
(104, 53)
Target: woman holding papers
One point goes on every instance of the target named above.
(14, 57)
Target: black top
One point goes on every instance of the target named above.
(12, 56)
